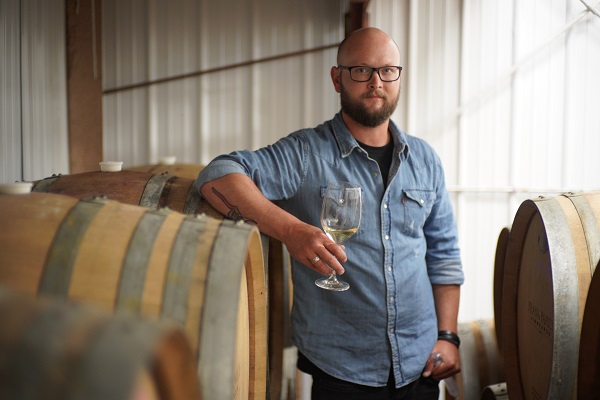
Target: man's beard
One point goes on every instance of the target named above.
(358, 112)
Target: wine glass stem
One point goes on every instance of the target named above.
(333, 276)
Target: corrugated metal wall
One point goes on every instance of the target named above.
(10, 88)
(198, 117)
(33, 112)
(506, 92)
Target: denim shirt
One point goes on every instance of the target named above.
(407, 240)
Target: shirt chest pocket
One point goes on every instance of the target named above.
(416, 207)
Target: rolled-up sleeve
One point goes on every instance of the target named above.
(443, 257)
(217, 169)
(277, 170)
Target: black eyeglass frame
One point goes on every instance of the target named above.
(373, 69)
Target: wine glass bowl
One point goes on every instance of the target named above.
(340, 219)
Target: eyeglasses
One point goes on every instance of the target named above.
(363, 74)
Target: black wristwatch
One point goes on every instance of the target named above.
(449, 336)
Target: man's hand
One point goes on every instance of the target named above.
(448, 363)
(306, 242)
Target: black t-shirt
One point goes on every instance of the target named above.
(383, 156)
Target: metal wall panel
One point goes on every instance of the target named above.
(33, 112)
(10, 88)
(44, 88)
(582, 96)
(199, 117)
(506, 93)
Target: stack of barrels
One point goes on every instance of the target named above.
(547, 300)
(544, 340)
(128, 285)
(142, 247)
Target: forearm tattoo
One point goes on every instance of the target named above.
(234, 212)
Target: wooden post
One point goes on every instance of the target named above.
(84, 84)
(357, 16)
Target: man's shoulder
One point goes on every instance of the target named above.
(414, 142)
(419, 143)
(320, 132)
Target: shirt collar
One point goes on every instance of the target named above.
(347, 143)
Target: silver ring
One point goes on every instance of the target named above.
(314, 260)
(436, 358)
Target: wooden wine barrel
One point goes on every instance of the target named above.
(56, 350)
(280, 294)
(588, 372)
(183, 170)
(481, 363)
(498, 391)
(154, 186)
(498, 280)
(203, 273)
(138, 188)
(280, 303)
(551, 254)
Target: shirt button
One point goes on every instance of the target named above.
(422, 201)
(375, 174)
(391, 299)
(385, 206)
(387, 237)
(390, 269)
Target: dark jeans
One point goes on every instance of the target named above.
(326, 387)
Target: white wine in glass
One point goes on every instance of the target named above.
(340, 219)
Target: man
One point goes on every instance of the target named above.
(373, 341)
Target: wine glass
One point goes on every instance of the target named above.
(340, 218)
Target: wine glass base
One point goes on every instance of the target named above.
(329, 284)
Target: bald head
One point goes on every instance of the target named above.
(368, 46)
